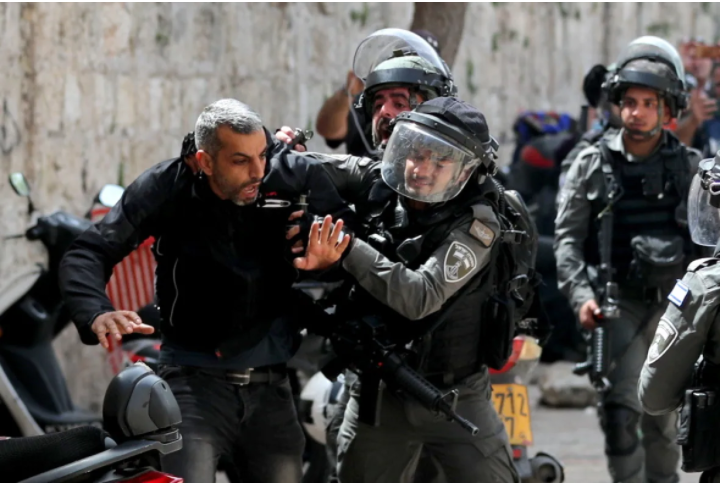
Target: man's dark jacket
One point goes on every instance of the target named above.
(223, 270)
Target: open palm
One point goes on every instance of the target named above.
(324, 246)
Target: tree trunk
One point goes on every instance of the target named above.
(445, 21)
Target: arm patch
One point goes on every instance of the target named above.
(482, 233)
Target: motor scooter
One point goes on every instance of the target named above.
(141, 416)
(510, 398)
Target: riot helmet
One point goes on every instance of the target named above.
(703, 204)
(434, 150)
(652, 63)
(397, 57)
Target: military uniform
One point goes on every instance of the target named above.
(423, 73)
(688, 329)
(408, 290)
(390, 452)
(631, 458)
(587, 140)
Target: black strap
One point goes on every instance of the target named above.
(614, 192)
(681, 171)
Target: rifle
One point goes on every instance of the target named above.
(599, 359)
(367, 350)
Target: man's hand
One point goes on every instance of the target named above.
(702, 108)
(118, 323)
(286, 135)
(353, 85)
(588, 313)
(324, 246)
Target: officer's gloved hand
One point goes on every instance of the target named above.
(299, 224)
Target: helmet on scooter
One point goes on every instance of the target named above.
(317, 403)
(138, 403)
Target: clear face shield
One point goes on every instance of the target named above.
(424, 165)
(385, 44)
(703, 217)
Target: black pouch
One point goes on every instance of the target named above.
(698, 429)
(657, 260)
(497, 318)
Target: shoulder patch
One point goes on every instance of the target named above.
(666, 334)
(459, 262)
(480, 231)
(701, 263)
(678, 293)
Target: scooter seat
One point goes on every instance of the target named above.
(24, 457)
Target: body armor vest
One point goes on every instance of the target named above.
(453, 347)
(653, 194)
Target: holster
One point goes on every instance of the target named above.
(698, 432)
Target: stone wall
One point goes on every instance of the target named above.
(96, 93)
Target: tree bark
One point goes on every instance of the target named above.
(445, 21)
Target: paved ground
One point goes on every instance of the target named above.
(573, 437)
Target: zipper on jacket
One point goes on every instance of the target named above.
(177, 293)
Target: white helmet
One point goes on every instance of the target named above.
(319, 399)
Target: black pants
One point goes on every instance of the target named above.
(256, 425)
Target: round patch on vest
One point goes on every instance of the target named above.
(666, 334)
(459, 262)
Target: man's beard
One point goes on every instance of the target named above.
(380, 128)
(234, 193)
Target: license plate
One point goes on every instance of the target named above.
(511, 402)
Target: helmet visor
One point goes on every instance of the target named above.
(703, 218)
(385, 44)
(424, 165)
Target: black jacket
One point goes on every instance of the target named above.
(223, 271)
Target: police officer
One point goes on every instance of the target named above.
(689, 328)
(620, 230)
(608, 122)
(436, 179)
(223, 267)
(400, 69)
(343, 119)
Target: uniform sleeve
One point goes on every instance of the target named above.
(415, 294)
(572, 224)
(679, 341)
(87, 266)
(352, 176)
(568, 162)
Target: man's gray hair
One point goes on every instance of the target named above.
(226, 112)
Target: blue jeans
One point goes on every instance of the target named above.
(255, 425)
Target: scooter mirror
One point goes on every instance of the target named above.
(20, 184)
(110, 195)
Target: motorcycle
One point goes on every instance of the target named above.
(510, 398)
(34, 398)
(141, 416)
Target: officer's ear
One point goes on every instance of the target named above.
(666, 114)
(205, 162)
